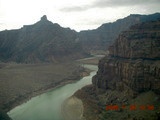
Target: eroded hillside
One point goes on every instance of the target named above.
(129, 76)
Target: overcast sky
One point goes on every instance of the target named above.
(76, 14)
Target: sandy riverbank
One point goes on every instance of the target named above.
(72, 109)
(21, 82)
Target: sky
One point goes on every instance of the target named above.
(76, 14)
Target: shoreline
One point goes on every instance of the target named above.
(74, 106)
(29, 96)
(13, 103)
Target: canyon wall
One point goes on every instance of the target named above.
(133, 61)
(129, 75)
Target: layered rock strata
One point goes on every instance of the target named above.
(129, 75)
(134, 60)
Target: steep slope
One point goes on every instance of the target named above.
(48, 42)
(40, 42)
(134, 59)
(104, 36)
(8, 41)
(130, 75)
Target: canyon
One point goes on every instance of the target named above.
(129, 75)
(41, 56)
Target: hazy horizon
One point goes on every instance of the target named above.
(78, 15)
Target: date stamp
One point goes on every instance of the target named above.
(131, 107)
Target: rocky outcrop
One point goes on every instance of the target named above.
(130, 75)
(139, 75)
(141, 41)
(134, 60)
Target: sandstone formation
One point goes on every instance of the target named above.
(134, 60)
(129, 75)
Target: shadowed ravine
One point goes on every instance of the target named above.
(48, 105)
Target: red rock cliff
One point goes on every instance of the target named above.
(134, 60)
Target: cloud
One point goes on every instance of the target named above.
(111, 4)
(121, 3)
(74, 9)
(77, 14)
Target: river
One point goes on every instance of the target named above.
(47, 106)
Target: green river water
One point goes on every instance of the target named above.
(47, 106)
